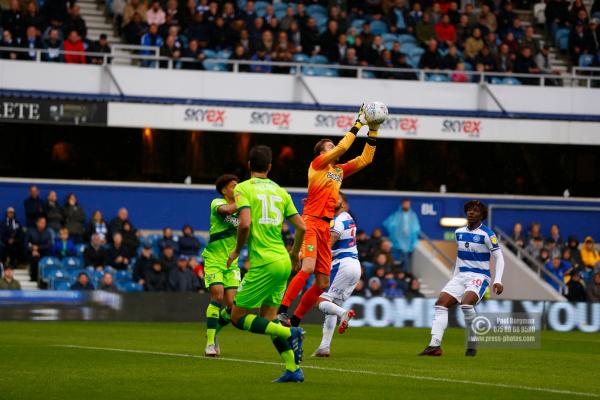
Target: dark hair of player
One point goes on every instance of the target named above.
(260, 158)
(223, 181)
(477, 204)
(319, 146)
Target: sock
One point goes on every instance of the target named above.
(294, 288)
(440, 323)
(256, 324)
(330, 308)
(309, 299)
(284, 350)
(328, 330)
(469, 314)
(224, 319)
(212, 321)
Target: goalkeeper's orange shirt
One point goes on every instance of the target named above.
(325, 179)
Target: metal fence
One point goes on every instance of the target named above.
(149, 56)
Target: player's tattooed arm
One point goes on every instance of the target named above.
(243, 231)
(227, 209)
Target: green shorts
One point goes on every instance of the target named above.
(264, 285)
(229, 278)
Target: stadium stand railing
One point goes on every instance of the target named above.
(588, 77)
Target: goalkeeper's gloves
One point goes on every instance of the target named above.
(360, 120)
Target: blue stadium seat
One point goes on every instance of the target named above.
(586, 60)
(321, 21)
(60, 284)
(407, 48)
(49, 272)
(368, 75)
(315, 9)
(496, 81)
(72, 262)
(319, 59)
(260, 7)
(129, 287)
(378, 27)
(211, 65)
(208, 53)
(437, 78)
(202, 240)
(406, 38)
(98, 275)
(241, 4)
(124, 275)
(224, 54)
(563, 43)
(389, 45)
(390, 37)
(80, 248)
(49, 261)
(510, 81)
(357, 24)
(73, 273)
(468, 66)
(301, 58)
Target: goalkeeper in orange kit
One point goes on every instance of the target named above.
(325, 177)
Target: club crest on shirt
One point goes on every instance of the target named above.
(335, 177)
(476, 239)
(494, 240)
(310, 247)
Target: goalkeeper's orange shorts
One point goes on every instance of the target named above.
(317, 243)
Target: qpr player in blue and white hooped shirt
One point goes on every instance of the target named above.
(477, 245)
(345, 274)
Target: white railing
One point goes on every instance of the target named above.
(580, 76)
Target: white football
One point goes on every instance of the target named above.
(376, 112)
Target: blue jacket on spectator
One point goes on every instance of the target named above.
(11, 229)
(42, 239)
(559, 272)
(64, 248)
(150, 40)
(183, 281)
(189, 246)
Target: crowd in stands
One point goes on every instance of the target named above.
(578, 266)
(431, 35)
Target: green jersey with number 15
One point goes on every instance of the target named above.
(269, 205)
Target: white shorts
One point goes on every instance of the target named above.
(467, 281)
(345, 276)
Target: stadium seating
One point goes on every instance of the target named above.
(586, 60)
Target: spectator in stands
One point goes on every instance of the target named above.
(170, 50)
(579, 43)
(118, 256)
(63, 245)
(135, 29)
(589, 254)
(96, 225)
(168, 239)
(401, 62)
(75, 23)
(488, 18)
(575, 289)
(543, 256)
(486, 59)
(12, 19)
(511, 42)
(53, 46)
(100, 46)
(381, 261)
(530, 41)
(74, 218)
(535, 231)
(431, 58)
(534, 246)
(286, 234)
(506, 18)
(261, 55)
(555, 235)
(131, 241)
(54, 212)
(31, 41)
(11, 238)
(517, 29)
(155, 15)
(473, 45)
(188, 244)
(182, 278)
(414, 291)
(288, 19)
(558, 269)
(459, 75)
(34, 207)
(107, 283)
(310, 37)
(116, 224)
(196, 266)
(168, 258)
(374, 289)
(39, 244)
(74, 49)
(557, 15)
(451, 59)
(282, 53)
(134, 7)
(425, 30)
(403, 227)
(463, 31)
(573, 246)
(143, 263)
(193, 51)
(391, 289)
(8, 281)
(362, 245)
(95, 255)
(83, 283)
(360, 289)
(593, 290)
(329, 40)
(542, 60)
(445, 32)
(553, 249)
(152, 39)
(518, 236)
(505, 59)
(55, 10)
(155, 278)
(375, 241)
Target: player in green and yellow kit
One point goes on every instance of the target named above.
(262, 207)
(222, 280)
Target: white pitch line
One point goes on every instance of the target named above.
(331, 369)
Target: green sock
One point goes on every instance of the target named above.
(224, 319)
(284, 350)
(212, 321)
(263, 326)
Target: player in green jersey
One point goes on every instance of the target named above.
(262, 207)
(221, 280)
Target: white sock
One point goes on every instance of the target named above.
(330, 308)
(328, 330)
(439, 325)
(469, 314)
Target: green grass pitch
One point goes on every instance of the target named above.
(164, 361)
